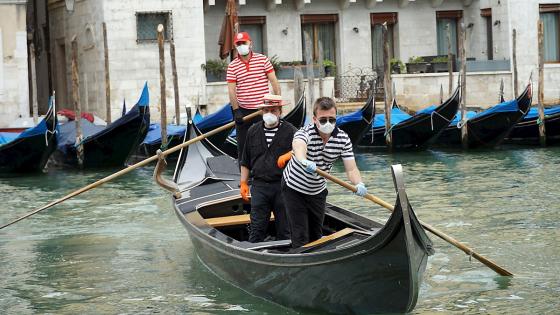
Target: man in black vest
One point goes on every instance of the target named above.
(266, 142)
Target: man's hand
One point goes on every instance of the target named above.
(238, 116)
(284, 159)
(361, 189)
(244, 190)
(309, 166)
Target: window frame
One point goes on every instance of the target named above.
(486, 14)
(456, 15)
(168, 29)
(258, 21)
(551, 9)
(315, 20)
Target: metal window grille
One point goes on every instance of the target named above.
(147, 23)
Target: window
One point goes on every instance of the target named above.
(549, 16)
(147, 23)
(487, 15)
(254, 25)
(444, 20)
(377, 20)
(321, 29)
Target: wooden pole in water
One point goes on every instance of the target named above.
(162, 86)
(175, 83)
(76, 100)
(388, 93)
(321, 69)
(298, 84)
(542, 128)
(464, 130)
(514, 54)
(449, 59)
(310, 75)
(107, 78)
(35, 107)
(441, 94)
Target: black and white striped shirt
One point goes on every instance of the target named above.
(269, 134)
(324, 155)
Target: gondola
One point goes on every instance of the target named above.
(29, 150)
(357, 124)
(414, 132)
(296, 117)
(109, 146)
(526, 132)
(362, 266)
(490, 127)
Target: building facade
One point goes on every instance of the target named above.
(14, 92)
(345, 32)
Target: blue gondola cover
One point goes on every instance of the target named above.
(534, 112)
(397, 116)
(154, 133)
(217, 119)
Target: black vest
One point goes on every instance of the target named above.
(260, 158)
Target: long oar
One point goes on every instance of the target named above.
(469, 251)
(133, 167)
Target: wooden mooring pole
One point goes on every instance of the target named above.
(321, 69)
(449, 60)
(514, 55)
(464, 129)
(35, 107)
(298, 84)
(310, 75)
(76, 101)
(107, 78)
(175, 83)
(388, 91)
(542, 128)
(163, 100)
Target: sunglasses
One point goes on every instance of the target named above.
(323, 120)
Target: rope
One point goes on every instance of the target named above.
(432, 118)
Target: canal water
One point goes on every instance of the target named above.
(120, 249)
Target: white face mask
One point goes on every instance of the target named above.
(243, 50)
(327, 128)
(270, 119)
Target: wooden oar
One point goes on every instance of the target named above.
(133, 167)
(469, 251)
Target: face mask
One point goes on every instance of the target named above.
(243, 50)
(326, 128)
(270, 119)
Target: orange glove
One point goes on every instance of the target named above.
(244, 190)
(284, 159)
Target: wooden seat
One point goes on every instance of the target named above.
(333, 236)
(232, 220)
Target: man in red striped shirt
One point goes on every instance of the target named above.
(248, 76)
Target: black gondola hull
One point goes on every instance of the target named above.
(417, 132)
(357, 129)
(28, 155)
(527, 132)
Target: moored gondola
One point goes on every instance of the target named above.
(490, 127)
(357, 124)
(362, 266)
(296, 117)
(109, 146)
(29, 151)
(417, 131)
(526, 132)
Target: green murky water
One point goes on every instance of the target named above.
(120, 248)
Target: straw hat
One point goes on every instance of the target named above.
(271, 100)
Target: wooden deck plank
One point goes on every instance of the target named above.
(232, 220)
(333, 236)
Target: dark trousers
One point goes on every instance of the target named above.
(305, 215)
(242, 129)
(267, 197)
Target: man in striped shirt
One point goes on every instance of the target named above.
(267, 141)
(317, 145)
(248, 76)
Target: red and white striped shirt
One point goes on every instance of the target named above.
(251, 79)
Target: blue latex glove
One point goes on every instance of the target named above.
(361, 189)
(309, 166)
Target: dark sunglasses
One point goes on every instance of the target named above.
(323, 120)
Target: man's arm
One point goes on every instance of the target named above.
(232, 91)
(244, 174)
(274, 82)
(300, 149)
(352, 171)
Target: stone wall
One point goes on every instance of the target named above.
(14, 91)
(417, 91)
